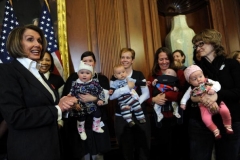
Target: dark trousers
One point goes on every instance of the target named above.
(134, 141)
(170, 141)
(202, 142)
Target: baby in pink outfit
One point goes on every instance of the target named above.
(199, 86)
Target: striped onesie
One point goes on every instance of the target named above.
(131, 99)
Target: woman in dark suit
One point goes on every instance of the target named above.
(3, 138)
(28, 103)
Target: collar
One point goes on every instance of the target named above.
(130, 75)
(47, 74)
(28, 63)
(79, 81)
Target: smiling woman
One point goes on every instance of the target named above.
(168, 131)
(215, 66)
(28, 104)
(46, 67)
(132, 140)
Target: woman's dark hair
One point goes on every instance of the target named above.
(87, 54)
(52, 61)
(156, 67)
(14, 41)
(182, 54)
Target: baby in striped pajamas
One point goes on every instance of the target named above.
(128, 102)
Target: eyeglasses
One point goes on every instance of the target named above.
(200, 44)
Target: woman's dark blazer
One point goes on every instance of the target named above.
(31, 115)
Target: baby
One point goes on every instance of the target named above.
(130, 101)
(200, 86)
(85, 84)
(163, 84)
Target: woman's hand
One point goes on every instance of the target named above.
(159, 99)
(214, 108)
(87, 98)
(208, 101)
(131, 84)
(67, 102)
(100, 102)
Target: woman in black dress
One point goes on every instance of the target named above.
(97, 143)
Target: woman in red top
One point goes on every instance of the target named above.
(168, 132)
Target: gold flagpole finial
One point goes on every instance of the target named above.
(10, 1)
(47, 5)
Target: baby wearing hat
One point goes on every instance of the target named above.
(200, 86)
(83, 85)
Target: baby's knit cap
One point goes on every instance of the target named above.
(189, 70)
(83, 65)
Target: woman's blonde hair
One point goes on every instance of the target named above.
(123, 50)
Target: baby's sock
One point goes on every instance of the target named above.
(81, 130)
(96, 125)
(175, 110)
(216, 133)
(229, 129)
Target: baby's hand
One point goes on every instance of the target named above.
(100, 102)
(110, 92)
(175, 89)
(126, 107)
(183, 106)
(154, 82)
(76, 107)
(148, 83)
(211, 92)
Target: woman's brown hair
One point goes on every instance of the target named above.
(14, 45)
(210, 36)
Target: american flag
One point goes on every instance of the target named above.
(9, 22)
(45, 23)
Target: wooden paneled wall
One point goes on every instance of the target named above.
(221, 15)
(226, 19)
(106, 26)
